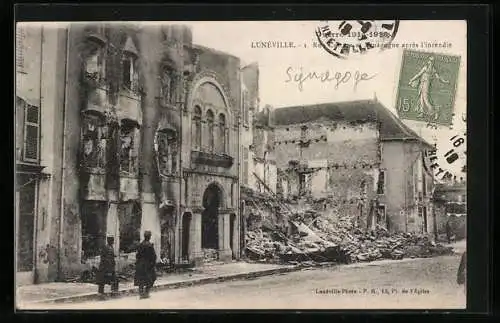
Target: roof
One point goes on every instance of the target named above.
(391, 127)
(214, 51)
(455, 187)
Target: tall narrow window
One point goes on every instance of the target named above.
(381, 182)
(127, 75)
(210, 129)
(128, 148)
(20, 35)
(222, 133)
(244, 107)
(196, 125)
(381, 215)
(31, 133)
(166, 85)
(130, 77)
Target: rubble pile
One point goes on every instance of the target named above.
(329, 239)
(210, 255)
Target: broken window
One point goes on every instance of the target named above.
(94, 61)
(196, 127)
(222, 133)
(130, 216)
(304, 184)
(129, 77)
(167, 85)
(210, 129)
(94, 142)
(129, 141)
(93, 227)
(381, 216)
(381, 182)
(167, 152)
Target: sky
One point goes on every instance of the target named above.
(277, 65)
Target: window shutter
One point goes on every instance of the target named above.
(31, 133)
(20, 35)
(31, 142)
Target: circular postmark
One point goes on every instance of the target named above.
(448, 160)
(356, 37)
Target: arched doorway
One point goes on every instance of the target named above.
(186, 230)
(212, 200)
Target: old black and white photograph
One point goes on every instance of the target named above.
(241, 165)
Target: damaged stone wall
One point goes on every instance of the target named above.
(336, 162)
(335, 142)
(403, 191)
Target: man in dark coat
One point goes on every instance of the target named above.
(106, 274)
(462, 271)
(145, 274)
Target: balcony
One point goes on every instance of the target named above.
(95, 33)
(97, 100)
(129, 107)
(212, 159)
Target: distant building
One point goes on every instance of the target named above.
(359, 159)
(450, 205)
(123, 128)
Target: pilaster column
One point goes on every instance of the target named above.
(195, 254)
(113, 225)
(224, 236)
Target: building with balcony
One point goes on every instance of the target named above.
(139, 131)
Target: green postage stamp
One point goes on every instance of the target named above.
(427, 87)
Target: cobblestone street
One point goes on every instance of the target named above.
(429, 283)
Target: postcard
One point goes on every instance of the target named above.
(241, 165)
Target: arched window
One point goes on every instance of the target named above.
(129, 140)
(210, 129)
(130, 76)
(222, 133)
(196, 127)
(167, 84)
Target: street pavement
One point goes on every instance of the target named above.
(428, 283)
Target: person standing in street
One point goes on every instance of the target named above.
(106, 274)
(462, 272)
(145, 274)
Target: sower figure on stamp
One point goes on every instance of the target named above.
(423, 80)
(145, 274)
(106, 274)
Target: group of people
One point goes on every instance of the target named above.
(145, 274)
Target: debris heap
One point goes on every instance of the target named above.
(329, 239)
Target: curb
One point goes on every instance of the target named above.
(174, 285)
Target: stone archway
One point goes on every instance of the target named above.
(212, 201)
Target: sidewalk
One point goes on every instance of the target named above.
(77, 292)
(458, 247)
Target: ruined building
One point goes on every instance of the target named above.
(357, 159)
(259, 167)
(140, 129)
